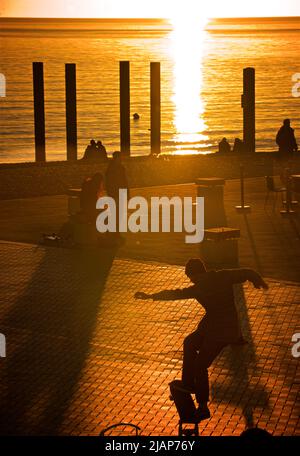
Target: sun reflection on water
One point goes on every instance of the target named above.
(187, 42)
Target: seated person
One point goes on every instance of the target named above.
(238, 146)
(91, 152)
(224, 146)
(102, 154)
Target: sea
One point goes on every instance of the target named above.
(201, 81)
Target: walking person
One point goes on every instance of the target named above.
(219, 327)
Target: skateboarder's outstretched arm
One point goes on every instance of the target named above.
(168, 295)
(229, 276)
(243, 274)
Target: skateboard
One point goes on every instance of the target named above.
(186, 409)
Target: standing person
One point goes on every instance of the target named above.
(219, 327)
(116, 179)
(102, 154)
(286, 140)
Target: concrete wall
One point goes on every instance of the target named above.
(53, 178)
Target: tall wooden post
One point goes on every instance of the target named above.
(155, 107)
(248, 105)
(39, 111)
(125, 108)
(71, 111)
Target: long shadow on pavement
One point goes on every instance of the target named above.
(241, 363)
(54, 320)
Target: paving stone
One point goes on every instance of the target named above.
(83, 354)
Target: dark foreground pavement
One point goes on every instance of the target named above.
(82, 353)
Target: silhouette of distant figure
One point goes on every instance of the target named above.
(116, 179)
(238, 146)
(224, 146)
(91, 152)
(136, 116)
(219, 327)
(92, 188)
(286, 140)
(102, 154)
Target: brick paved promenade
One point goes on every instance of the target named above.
(269, 242)
(83, 354)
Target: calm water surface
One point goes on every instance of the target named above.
(201, 83)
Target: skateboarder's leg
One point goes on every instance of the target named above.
(208, 351)
(191, 345)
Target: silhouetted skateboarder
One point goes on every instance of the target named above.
(219, 327)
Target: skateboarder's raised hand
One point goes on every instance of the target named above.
(244, 274)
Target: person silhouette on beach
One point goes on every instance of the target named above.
(238, 146)
(102, 154)
(219, 327)
(286, 140)
(91, 152)
(224, 146)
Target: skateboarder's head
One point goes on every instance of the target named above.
(287, 122)
(194, 268)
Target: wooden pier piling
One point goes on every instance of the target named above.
(155, 108)
(39, 111)
(71, 111)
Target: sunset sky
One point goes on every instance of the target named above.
(147, 8)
